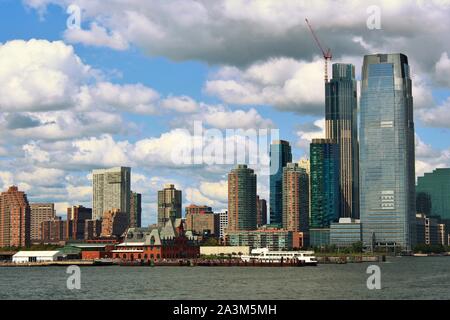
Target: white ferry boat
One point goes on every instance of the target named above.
(264, 255)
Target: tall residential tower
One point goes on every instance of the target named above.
(342, 127)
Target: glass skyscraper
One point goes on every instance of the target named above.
(280, 155)
(387, 169)
(436, 185)
(324, 181)
(341, 126)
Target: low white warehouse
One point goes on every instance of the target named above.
(36, 256)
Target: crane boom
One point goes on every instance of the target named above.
(326, 54)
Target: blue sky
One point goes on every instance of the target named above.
(126, 88)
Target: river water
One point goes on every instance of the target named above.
(401, 278)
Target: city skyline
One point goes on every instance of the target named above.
(110, 113)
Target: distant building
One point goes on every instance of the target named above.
(280, 155)
(261, 212)
(387, 152)
(37, 256)
(341, 125)
(114, 223)
(306, 164)
(346, 232)
(241, 199)
(169, 204)
(111, 190)
(135, 210)
(324, 181)
(14, 218)
(40, 212)
(92, 229)
(428, 230)
(76, 220)
(223, 221)
(202, 222)
(54, 230)
(295, 198)
(434, 187)
(158, 242)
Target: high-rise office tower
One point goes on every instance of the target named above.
(14, 218)
(280, 155)
(295, 198)
(342, 127)
(169, 204)
(436, 187)
(40, 212)
(387, 169)
(261, 212)
(241, 199)
(135, 210)
(111, 190)
(324, 179)
(223, 223)
(306, 164)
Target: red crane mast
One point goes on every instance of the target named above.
(326, 54)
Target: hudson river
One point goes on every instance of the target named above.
(401, 278)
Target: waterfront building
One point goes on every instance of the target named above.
(273, 238)
(319, 237)
(76, 221)
(202, 221)
(435, 185)
(346, 232)
(261, 212)
(37, 256)
(280, 155)
(241, 199)
(324, 155)
(427, 230)
(223, 223)
(223, 250)
(341, 126)
(14, 218)
(135, 209)
(114, 223)
(157, 242)
(295, 198)
(111, 190)
(169, 204)
(39, 212)
(387, 168)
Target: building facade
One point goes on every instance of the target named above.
(280, 155)
(76, 220)
(241, 199)
(387, 168)
(54, 230)
(169, 204)
(345, 233)
(295, 198)
(223, 223)
(40, 212)
(205, 223)
(114, 223)
(135, 210)
(342, 127)
(274, 239)
(435, 185)
(261, 212)
(324, 179)
(111, 190)
(14, 218)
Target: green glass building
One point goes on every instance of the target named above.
(324, 180)
(436, 185)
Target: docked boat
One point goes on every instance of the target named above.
(264, 255)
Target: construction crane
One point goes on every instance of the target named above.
(326, 54)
